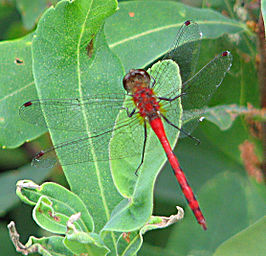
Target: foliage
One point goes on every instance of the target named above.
(82, 48)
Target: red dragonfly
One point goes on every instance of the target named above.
(151, 102)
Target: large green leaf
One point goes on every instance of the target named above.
(17, 86)
(149, 28)
(63, 69)
(250, 241)
(225, 200)
(138, 41)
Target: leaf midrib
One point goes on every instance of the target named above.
(113, 45)
(87, 124)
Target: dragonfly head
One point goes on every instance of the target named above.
(136, 78)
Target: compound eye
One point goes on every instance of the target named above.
(136, 77)
(126, 82)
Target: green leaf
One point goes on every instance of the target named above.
(16, 87)
(54, 205)
(85, 244)
(49, 246)
(8, 182)
(31, 10)
(134, 211)
(136, 34)
(250, 241)
(130, 243)
(224, 115)
(141, 39)
(64, 69)
(47, 218)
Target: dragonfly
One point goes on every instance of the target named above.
(149, 102)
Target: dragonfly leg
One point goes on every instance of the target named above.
(176, 97)
(181, 130)
(153, 81)
(130, 114)
(143, 150)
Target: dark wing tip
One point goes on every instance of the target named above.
(39, 155)
(27, 104)
(188, 22)
(225, 53)
(44, 160)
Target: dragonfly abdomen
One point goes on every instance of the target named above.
(158, 128)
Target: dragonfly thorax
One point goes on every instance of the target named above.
(135, 79)
(146, 102)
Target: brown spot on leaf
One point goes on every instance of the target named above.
(126, 236)
(89, 47)
(53, 216)
(131, 14)
(19, 61)
(251, 161)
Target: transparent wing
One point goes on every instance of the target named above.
(198, 90)
(95, 148)
(100, 111)
(69, 114)
(184, 51)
